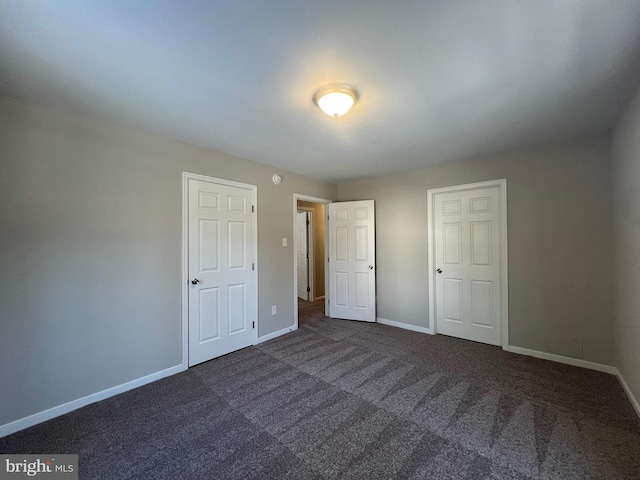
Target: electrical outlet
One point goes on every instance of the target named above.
(274, 309)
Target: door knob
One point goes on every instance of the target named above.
(370, 267)
(439, 270)
(195, 281)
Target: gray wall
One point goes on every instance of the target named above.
(626, 207)
(90, 252)
(559, 228)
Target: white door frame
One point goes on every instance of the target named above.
(186, 176)
(307, 198)
(504, 268)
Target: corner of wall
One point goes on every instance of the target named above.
(625, 148)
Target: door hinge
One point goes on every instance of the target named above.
(307, 255)
(307, 222)
(254, 324)
(253, 266)
(253, 208)
(327, 259)
(308, 289)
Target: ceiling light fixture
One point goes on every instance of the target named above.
(336, 99)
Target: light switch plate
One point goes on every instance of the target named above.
(284, 242)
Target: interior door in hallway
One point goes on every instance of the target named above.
(221, 264)
(352, 260)
(467, 262)
(302, 255)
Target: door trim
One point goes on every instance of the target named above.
(307, 198)
(504, 267)
(186, 176)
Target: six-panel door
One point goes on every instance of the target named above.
(467, 243)
(221, 279)
(352, 275)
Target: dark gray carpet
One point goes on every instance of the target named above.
(339, 399)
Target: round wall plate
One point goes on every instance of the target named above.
(277, 179)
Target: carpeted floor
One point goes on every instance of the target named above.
(340, 399)
(309, 311)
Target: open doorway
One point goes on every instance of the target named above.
(310, 257)
(305, 252)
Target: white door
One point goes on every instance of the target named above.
(467, 262)
(221, 262)
(302, 254)
(352, 260)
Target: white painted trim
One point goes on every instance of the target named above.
(307, 198)
(431, 263)
(222, 181)
(504, 263)
(185, 271)
(310, 199)
(186, 176)
(627, 390)
(279, 333)
(504, 254)
(576, 362)
(321, 297)
(53, 412)
(406, 326)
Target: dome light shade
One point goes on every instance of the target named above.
(335, 100)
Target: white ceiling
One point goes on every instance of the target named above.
(439, 80)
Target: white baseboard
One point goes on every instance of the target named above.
(53, 412)
(277, 334)
(319, 298)
(406, 326)
(576, 362)
(627, 390)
